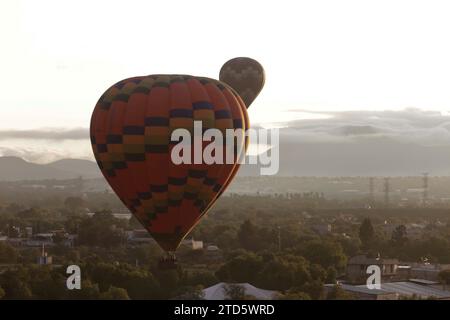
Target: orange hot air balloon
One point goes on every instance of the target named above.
(131, 129)
(245, 75)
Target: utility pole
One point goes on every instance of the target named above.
(425, 189)
(279, 238)
(371, 191)
(386, 192)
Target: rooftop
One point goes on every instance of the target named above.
(424, 282)
(360, 289)
(408, 288)
(218, 291)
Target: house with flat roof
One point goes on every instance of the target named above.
(357, 268)
(219, 292)
(415, 288)
(363, 293)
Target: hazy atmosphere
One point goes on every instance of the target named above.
(100, 108)
(318, 65)
(405, 142)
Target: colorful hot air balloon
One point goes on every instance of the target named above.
(245, 75)
(131, 130)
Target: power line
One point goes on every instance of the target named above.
(371, 190)
(386, 191)
(425, 189)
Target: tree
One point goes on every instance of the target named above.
(15, 288)
(243, 268)
(444, 277)
(313, 288)
(277, 275)
(8, 254)
(45, 283)
(331, 275)
(139, 283)
(143, 285)
(204, 278)
(115, 293)
(324, 252)
(74, 203)
(100, 230)
(31, 213)
(191, 293)
(89, 291)
(318, 272)
(282, 273)
(399, 235)
(248, 235)
(337, 293)
(294, 295)
(235, 292)
(366, 232)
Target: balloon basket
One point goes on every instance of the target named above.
(168, 262)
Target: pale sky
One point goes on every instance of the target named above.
(57, 57)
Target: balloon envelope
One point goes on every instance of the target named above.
(245, 75)
(131, 129)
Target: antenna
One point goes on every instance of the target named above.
(371, 191)
(386, 192)
(279, 238)
(425, 189)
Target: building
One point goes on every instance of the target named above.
(139, 236)
(363, 293)
(414, 288)
(415, 231)
(15, 242)
(322, 229)
(219, 292)
(44, 258)
(357, 268)
(427, 271)
(29, 232)
(40, 239)
(192, 244)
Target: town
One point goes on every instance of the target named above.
(259, 245)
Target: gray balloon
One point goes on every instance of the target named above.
(245, 75)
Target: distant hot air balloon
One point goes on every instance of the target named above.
(245, 75)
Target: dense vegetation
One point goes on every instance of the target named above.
(268, 241)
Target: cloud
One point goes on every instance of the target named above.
(45, 153)
(343, 143)
(412, 126)
(46, 134)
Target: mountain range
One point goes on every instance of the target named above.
(380, 157)
(352, 143)
(16, 169)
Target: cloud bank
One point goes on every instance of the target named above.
(406, 142)
(411, 126)
(46, 134)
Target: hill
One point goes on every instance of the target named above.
(16, 169)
